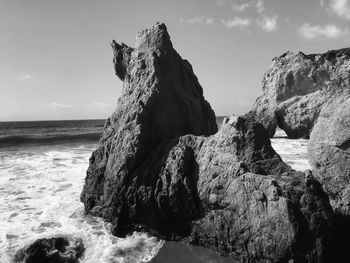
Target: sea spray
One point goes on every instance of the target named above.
(40, 188)
(292, 151)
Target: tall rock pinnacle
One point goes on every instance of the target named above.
(161, 101)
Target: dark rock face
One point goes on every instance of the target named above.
(269, 219)
(162, 100)
(329, 152)
(51, 250)
(296, 88)
(161, 166)
(258, 217)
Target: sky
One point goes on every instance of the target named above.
(56, 60)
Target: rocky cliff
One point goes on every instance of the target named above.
(161, 166)
(296, 88)
(329, 152)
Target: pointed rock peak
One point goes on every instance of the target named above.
(121, 59)
(154, 37)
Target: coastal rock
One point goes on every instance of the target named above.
(51, 250)
(162, 167)
(251, 214)
(329, 152)
(269, 219)
(161, 101)
(297, 87)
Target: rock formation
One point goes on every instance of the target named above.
(296, 88)
(51, 250)
(329, 152)
(161, 166)
(269, 219)
(161, 101)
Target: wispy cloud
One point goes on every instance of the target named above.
(102, 104)
(341, 8)
(26, 76)
(260, 6)
(308, 31)
(60, 106)
(236, 22)
(267, 23)
(210, 21)
(240, 7)
(197, 20)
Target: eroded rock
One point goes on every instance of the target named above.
(297, 87)
(329, 152)
(161, 100)
(270, 219)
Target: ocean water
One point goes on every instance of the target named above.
(42, 171)
(292, 151)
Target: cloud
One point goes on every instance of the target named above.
(236, 22)
(60, 106)
(260, 6)
(240, 7)
(328, 31)
(26, 77)
(267, 23)
(197, 20)
(102, 104)
(210, 21)
(341, 8)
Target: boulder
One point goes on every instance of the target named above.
(329, 152)
(269, 219)
(162, 167)
(297, 87)
(51, 250)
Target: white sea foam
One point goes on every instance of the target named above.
(292, 151)
(39, 193)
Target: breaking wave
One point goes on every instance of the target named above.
(40, 189)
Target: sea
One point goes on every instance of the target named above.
(42, 171)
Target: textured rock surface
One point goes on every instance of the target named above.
(258, 217)
(269, 219)
(51, 250)
(329, 152)
(161, 166)
(162, 100)
(296, 88)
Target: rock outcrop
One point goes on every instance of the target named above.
(297, 87)
(329, 152)
(161, 166)
(161, 101)
(51, 250)
(270, 219)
